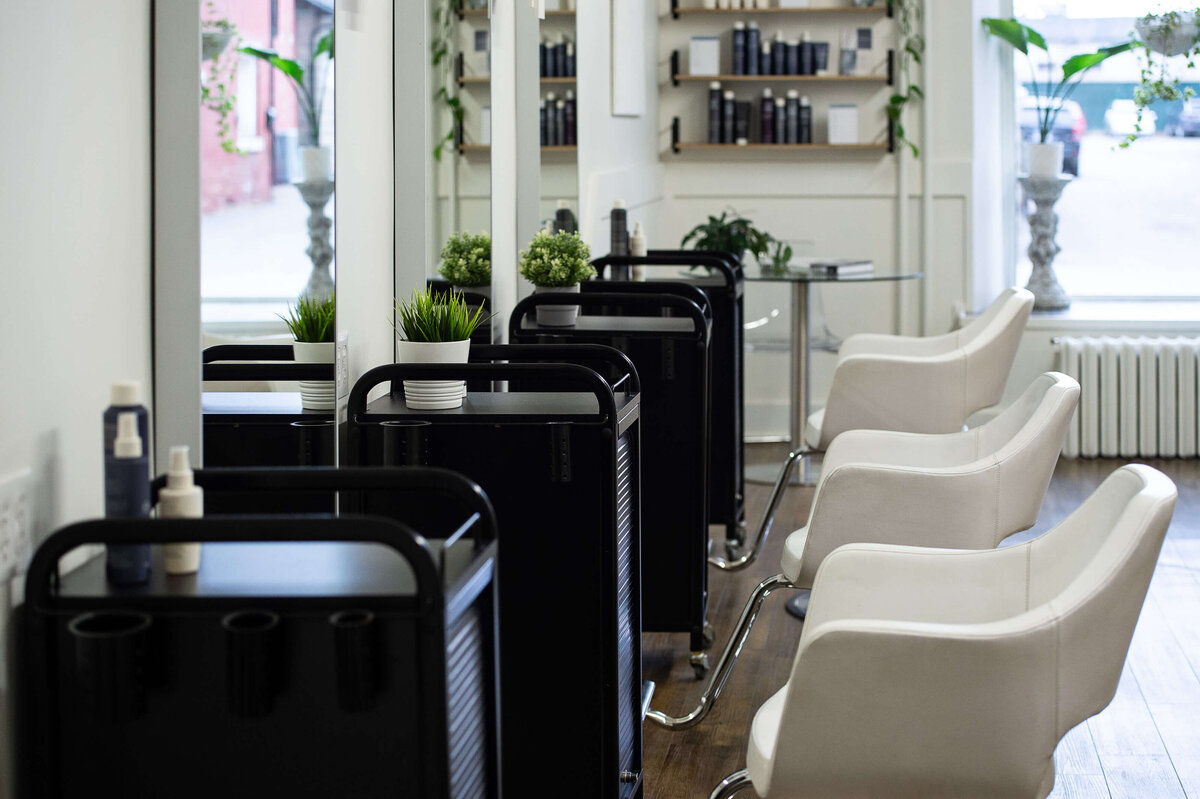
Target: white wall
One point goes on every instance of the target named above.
(365, 178)
(75, 220)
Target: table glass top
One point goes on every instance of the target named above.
(824, 270)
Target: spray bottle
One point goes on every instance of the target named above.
(181, 499)
(127, 496)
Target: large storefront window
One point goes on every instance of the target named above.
(1129, 225)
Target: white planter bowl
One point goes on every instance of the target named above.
(316, 163)
(315, 395)
(1179, 40)
(1044, 160)
(557, 315)
(433, 394)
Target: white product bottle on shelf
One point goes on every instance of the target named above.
(637, 248)
(181, 499)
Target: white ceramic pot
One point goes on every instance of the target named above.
(557, 315)
(433, 395)
(315, 395)
(1044, 160)
(1178, 40)
(213, 43)
(316, 163)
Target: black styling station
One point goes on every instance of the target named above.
(558, 455)
(722, 282)
(671, 354)
(309, 656)
(264, 428)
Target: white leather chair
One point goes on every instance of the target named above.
(914, 385)
(922, 385)
(947, 673)
(967, 490)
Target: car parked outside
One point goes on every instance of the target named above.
(1068, 128)
(1121, 119)
(1188, 123)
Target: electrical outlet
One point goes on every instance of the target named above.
(16, 518)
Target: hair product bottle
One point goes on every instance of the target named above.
(714, 112)
(181, 499)
(753, 44)
(767, 121)
(127, 496)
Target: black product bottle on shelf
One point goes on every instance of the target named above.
(805, 121)
(778, 55)
(764, 59)
(753, 44)
(619, 239)
(564, 218)
(767, 119)
(807, 55)
(727, 118)
(569, 113)
(560, 123)
(793, 57)
(714, 112)
(739, 48)
(570, 59)
(544, 59)
(793, 117)
(780, 121)
(560, 60)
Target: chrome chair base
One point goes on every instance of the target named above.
(727, 787)
(733, 560)
(728, 657)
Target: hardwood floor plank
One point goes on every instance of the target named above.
(1079, 786)
(1156, 658)
(1076, 754)
(1125, 727)
(1179, 727)
(1139, 777)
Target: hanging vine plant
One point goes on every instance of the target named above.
(217, 87)
(442, 57)
(911, 50)
(1159, 37)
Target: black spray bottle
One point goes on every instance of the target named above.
(767, 121)
(127, 496)
(753, 45)
(714, 112)
(619, 238)
(739, 48)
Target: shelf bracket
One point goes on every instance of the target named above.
(675, 9)
(462, 3)
(458, 69)
(891, 131)
(458, 137)
(674, 67)
(891, 67)
(891, 10)
(675, 135)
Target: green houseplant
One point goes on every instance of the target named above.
(911, 51)
(311, 321)
(432, 327)
(217, 85)
(557, 262)
(1045, 157)
(729, 232)
(316, 162)
(467, 261)
(1175, 33)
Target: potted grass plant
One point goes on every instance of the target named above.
(432, 327)
(311, 321)
(467, 263)
(556, 263)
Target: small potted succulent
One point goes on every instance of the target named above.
(467, 263)
(432, 327)
(556, 263)
(311, 321)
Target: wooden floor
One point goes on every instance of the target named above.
(1145, 745)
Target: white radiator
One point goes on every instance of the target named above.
(1137, 398)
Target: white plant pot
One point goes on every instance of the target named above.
(1044, 160)
(1178, 40)
(557, 315)
(433, 395)
(316, 163)
(315, 395)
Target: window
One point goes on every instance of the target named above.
(1129, 225)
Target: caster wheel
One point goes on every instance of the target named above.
(699, 661)
(710, 636)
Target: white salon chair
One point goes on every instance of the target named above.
(967, 490)
(947, 673)
(915, 385)
(922, 385)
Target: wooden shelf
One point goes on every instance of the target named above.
(882, 10)
(483, 80)
(882, 148)
(788, 78)
(482, 12)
